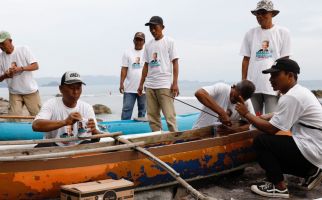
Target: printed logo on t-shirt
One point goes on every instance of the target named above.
(136, 64)
(155, 62)
(264, 52)
(68, 133)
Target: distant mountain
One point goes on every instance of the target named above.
(89, 80)
(111, 80)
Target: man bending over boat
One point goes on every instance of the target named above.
(220, 99)
(300, 154)
(61, 117)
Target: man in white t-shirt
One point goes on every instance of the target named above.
(220, 99)
(160, 76)
(261, 46)
(131, 72)
(66, 116)
(16, 66)
(300, 154)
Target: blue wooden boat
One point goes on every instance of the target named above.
(23, 130)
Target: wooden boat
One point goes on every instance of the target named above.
(195, 154)
(23, 130)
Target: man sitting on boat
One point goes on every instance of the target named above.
(298, 110)
(220, 99)
(64, 116)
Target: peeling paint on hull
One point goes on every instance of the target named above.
(41, 179)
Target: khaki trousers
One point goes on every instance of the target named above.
(31, 101)
(157, 102)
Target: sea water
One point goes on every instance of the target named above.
(109, 96)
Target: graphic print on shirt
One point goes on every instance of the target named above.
(264, 52)
(154, 62)
(68, 132)
(136, 64)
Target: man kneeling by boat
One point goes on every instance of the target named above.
(220, 99)
(67, 116)
(298, 110)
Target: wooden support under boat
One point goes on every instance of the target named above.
(22, 142)
(166, 167)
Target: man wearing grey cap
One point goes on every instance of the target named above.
(261, 46)
(300, 154)
(160, 76)
(16, 67)
(59, 117)
(131, 72)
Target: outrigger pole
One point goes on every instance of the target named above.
(197, 195)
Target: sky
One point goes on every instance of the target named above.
(90, 36)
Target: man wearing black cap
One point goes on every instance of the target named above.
(131, 72)
(59, 116)
(261, 46)
(160, 76)
(298, 110)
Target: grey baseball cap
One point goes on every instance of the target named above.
(139, 35)
(4, 35)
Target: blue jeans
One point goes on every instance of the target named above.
(128, 104)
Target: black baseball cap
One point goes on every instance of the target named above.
(283, 64)
(71, 77)
(155, 20)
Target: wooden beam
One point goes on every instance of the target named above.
(41, 141)
(69, 153)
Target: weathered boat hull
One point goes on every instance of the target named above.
(23, 130)
(41, 179)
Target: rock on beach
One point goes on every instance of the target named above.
(101, 109)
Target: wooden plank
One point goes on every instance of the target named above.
(41, 141)
(205, 132)
(68, 153)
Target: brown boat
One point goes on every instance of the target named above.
(195, 154)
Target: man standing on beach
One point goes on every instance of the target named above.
(160, 76)
(131, 72)
(300, 154)
(16, 66)
(220, 99)
(261, 47)
(63, 117)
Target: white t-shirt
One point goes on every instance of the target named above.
(159, 54)
(262, 58)
(132, 59)
(55, 109)
(220, 92)
(22, 83)
(299, 105)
